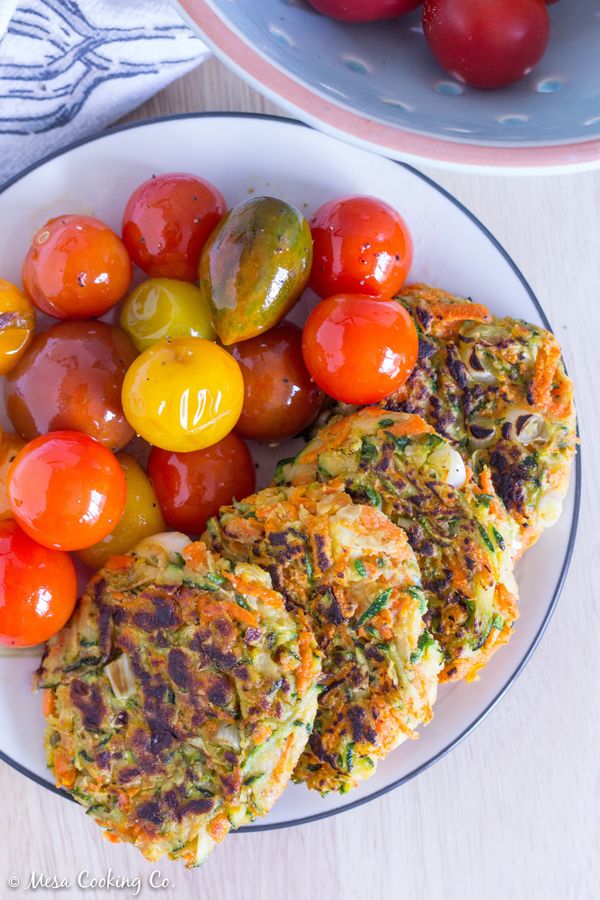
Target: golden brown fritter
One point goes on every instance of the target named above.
(178, 698)
(460, 532)
(352, 571)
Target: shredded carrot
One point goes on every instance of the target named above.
(546, 362)
(120, 563)
(282, 766)
(218, 829)
(410, 425)
(261, 734)
(303, 672)
(112, 837)
(262, 593)
(374, 522)
(562, 399)
(460, 312)
(196, 554)
(506, 603)
(48, 702)
(485, 479)
(459, 574)
(64, 770)
(233, 610)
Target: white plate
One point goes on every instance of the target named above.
(243, 154)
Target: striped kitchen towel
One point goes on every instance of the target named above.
(69, 68)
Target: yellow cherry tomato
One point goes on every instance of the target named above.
(17, 324)
(183, 394)
(142, 517)
(165, 308)
(10, 444)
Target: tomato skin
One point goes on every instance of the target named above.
(141, 519)
(280, 397)
(70, 379)
(17, 317)
(167, 221)
(359, 349)
(38, 589)
(191, 487)
(76, 268)
(165, 308)
(66, 490)
(361, 246)
(364, 10)
(9, 447)
(183, 394)
(487, 43)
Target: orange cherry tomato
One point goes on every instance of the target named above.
(280, 397)
(76, 267)
(361, 246)
(167, 221)
(359, 349)
(191, 487)
(38, 589)
(66, 490)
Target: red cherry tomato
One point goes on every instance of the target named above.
(66, 490)
(167, 221)
(280, 397)
(359, 349)
(364, 10)
(38, 589)
(191, 487)
(487, 43)
(76, 268)
(361, 246)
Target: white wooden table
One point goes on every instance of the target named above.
(514, 811)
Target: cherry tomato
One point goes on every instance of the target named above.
(141, 519)
(191, 487)
(76, 268)
(70, 378)
(66, 490)
(167, 221)
(359, 349)
(165, 308)
(38, 589)
(361, 246)
(364, 10)
(17, 324)
(487, 43)
(280, 397)
(10, 446)
(183, 394)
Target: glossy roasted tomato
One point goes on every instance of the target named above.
(141, 519)
(361, 246)
(17, 324)
(280, 397)
(183, 394)
(76, 268)
(487, 43)
(364, 10)
(70, 378)
(66, 490)
(167, 221)
(165, 308)
(38, 589)
(10, 445)
(359, 349)
(191, 487)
